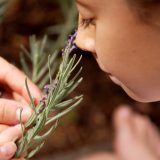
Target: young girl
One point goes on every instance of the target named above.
(124, 37)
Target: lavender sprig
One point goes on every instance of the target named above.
(38, 57)
(53, 100)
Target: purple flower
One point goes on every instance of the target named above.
(43, 99)
(72, 38)
(73, 48)
(70, 43)
(46, 89)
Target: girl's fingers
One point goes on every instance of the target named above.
(7, 139)
(123, 123)
(3, 127)
(10, 134)
(154, 137)
(10, 112)
(19, 98)
(7, 151)
(9, 74)
(141, 126)
(14, 96)
(131, 142)
(6, 95)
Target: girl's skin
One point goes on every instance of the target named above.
(14, 98)
(123, 45)
(126, 47)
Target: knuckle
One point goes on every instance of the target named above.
(3, 111)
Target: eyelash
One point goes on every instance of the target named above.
(86, 22)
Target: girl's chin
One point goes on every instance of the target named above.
(135, 96)
(130, 92)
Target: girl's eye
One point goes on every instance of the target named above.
(86, 22)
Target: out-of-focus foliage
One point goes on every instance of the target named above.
(3, 5)
(68, 24)
(39, 51)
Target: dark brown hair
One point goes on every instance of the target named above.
(145, 8)
(144, 4)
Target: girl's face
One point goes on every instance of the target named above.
(123, 45)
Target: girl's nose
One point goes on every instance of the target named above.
(85, 40)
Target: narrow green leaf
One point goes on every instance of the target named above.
(37, 128)
(26, 53)
(39, 139)
(33, 152)
(45, 67)
(59, 115)
(49, 68)
(43, 44)
(75, 85)
(76, 75)
(31, 98)
(22, 147)
(66, 73)
(76, 63)
(21, 122)
(25, 65)
(31, 120)
(54, 29)
(68, 102)
(45, 79)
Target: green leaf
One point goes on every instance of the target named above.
(59, 115)
(31, 98)
(75, 65)
(33, 152)
(25, 65)
(49, 68)
(68, 102)
(37, 128)
(22, 147)
(54, 29)
(31, 120)
(39, 139)
(26, 52)
(76, 75)
(43, 44)
(75, 85)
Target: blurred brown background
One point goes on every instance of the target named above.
(89, 127)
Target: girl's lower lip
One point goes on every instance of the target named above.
(115, 80)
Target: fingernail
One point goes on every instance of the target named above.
(6, 150)
(125, 112)
(26, 113)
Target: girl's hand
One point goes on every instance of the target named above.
(8, 136)
(14, 94)
(136, 137)
(12, 83)
(13, 97)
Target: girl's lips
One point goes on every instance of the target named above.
(115, 80)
